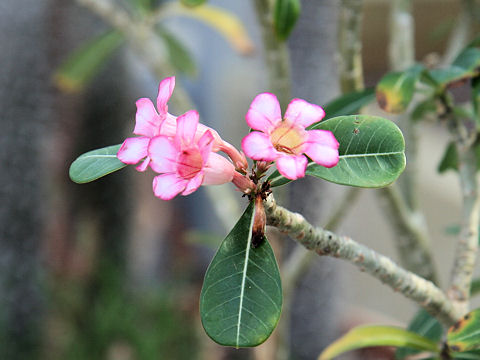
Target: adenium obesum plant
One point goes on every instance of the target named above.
(241, 297)
(185, 152)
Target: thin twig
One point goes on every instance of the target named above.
(350, 45)
(412, 240)
(461, 31)
(276, 54)
(324, 242)
(402, 206)
(467, 246)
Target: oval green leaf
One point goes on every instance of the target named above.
(85, 62)
(395, 90)
(377, 335)
(95, 164)
(285, 15)
(241, 298)
(465, 334)
(371, 152)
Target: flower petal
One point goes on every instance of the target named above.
(322, 147)
(169, 126)
(144, 165)
(205, 144)
(193, 184)
(186, 128)
(304, 113)
(147, 121)
(217, 170)
(292, 167)
(264, 112)
(163, 155)
(167, 186)
(217, 140)
(258, 146)
(165, 90)
(133, 150)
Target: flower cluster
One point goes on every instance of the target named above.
(185, 153)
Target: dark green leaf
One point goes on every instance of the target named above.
(476, 99)
(375, 335)
(449, 160)
(285, 16)
(349, 104)
(395, 90)
(423, 109)
(142, 5)
(241, 297)
(193, 3)
(425, 325)
(371, 152)
(95, 164)
(85, 62)
(465, 334)
(475, 285)
(465, 66)
(179, 55)
(469, 355)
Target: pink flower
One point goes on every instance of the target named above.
(148, 124)
(286, 141)
(186, 162)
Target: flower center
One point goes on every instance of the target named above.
(189, 163)
(288, 138)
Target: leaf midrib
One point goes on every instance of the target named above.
(244, 276)
(371, 154)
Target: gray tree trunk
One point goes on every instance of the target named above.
(313, 45)
(24, 104)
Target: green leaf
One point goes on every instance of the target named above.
(349, 104)
(85, 62)
(142, 5)
(377, 335)
(465, 66)
(95, 164)
(449, 160)
(425, 107)
(193, 3)
(465, 334)
(395, 90)
(179, 55)
(241, 297)
(425, 325)
(475, 285)
(285, 15)
(469, 355)
(371, 152)
(476, 99)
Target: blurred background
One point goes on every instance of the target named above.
(107, 271)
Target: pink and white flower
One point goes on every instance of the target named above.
(286, 140)
(186, 161)
(148, 124)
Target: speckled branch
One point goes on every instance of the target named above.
(324, 242)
